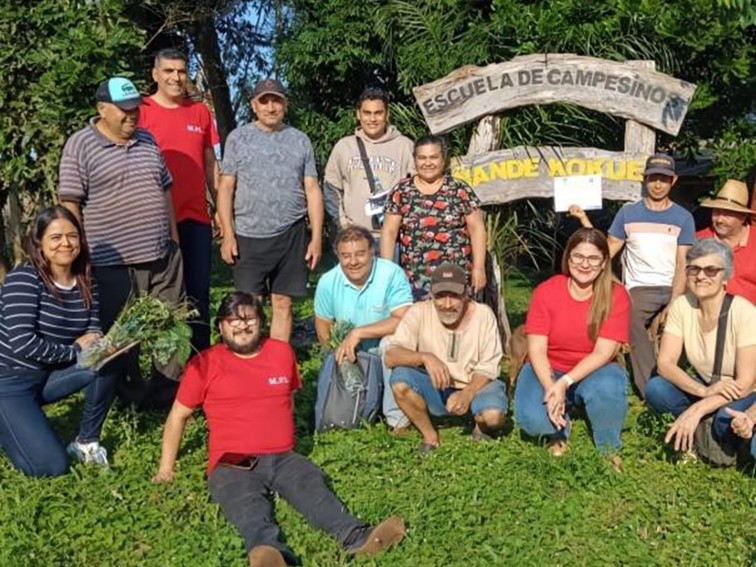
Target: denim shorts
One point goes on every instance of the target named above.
(491, 397)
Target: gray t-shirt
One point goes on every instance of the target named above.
(269, 168)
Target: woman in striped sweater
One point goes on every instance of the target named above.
(48, 314)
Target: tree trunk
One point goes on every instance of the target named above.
(206, 41)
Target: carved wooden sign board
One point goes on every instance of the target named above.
(506, 175)
(630, 90)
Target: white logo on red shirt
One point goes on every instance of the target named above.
(193, 128)
(278, 380)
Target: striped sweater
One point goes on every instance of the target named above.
(38, 330)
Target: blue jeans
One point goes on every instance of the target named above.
(491, 397)
(664, 397)
(391, 411)
(196, 241)
(603, 393)
(26, 435)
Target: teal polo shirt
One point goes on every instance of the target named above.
(386, 289)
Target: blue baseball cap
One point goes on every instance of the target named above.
(119, 91)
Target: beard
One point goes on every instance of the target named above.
(244, 348)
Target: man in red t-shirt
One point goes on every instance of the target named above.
(731, 224)
(185, 132)
(244, 386)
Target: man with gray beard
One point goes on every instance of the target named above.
(445, 354)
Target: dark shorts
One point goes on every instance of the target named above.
(273, 265)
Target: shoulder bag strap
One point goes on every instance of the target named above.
(366, 164)
(716, 375)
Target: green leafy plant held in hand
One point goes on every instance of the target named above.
(159, 326)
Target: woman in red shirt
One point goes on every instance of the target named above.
(575, 325)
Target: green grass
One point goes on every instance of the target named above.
(503, 503)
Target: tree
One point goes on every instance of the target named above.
(423, 40)
(228, 40)
(53, 54)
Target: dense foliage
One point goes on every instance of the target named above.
(53, 54)
(701, 41)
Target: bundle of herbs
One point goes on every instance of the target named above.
(159, 326)
(350, 372)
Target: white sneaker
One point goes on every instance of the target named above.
(89, 453)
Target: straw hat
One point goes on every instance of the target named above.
(733, 196)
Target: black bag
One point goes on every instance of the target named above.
(713, 450)
(344, 404)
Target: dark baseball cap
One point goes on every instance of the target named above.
(269, 86)
(448, 278)
(661, 164)
(119, 91)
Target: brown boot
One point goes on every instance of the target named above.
(266, 556)
(389, 532)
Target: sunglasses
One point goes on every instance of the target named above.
(709, 271)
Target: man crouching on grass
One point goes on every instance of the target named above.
(445, 354)
(244, 386)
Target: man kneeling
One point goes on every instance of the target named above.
(445, 354)
(245, 387)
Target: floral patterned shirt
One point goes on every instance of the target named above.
(433, 230)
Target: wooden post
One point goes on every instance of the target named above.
(639, 138)
(486, 139)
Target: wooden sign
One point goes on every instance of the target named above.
(522, 172)
(620, 89)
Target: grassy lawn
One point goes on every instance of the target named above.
(501, 503)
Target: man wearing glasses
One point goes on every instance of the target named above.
(244, 386)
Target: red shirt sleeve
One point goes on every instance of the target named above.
(617, 325)
(538, 318)
(191, 391)
(213, 139)
(296, 381)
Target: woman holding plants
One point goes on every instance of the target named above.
(576, 324)
(48, 314)
(693, 325)
(436, 219)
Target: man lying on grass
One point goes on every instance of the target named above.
(445, 354)
(244, 386)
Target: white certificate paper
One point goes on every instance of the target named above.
(581, 190)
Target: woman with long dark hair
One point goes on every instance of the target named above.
(576, 324)
(48, 314)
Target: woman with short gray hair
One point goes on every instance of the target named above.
(692, 325)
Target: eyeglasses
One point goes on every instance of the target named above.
(593, 261)
(238, 322)
(709, 271)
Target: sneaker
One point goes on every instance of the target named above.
(89, 453)
(266, 556)
(389, 532)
